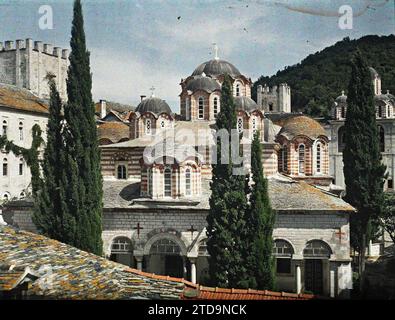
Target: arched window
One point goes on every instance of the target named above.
(148, 126)
(317, 248)
(149, 181)
(343, 112)
(283, 252)
(301, 158)
(162, 124)
(165, 246)
(201, 108)
(284, 159)
(238, 90)
(388, 112)
(240, 124)
(21, 165)
(216, 107)
(5, 167)
(254, 125)
(318, 157)
(21, 137)
(167, 184)
(379, 111)
(188, 191)
(5, 127)
(22, 195)
(341, 139)
(121, 172)
(121, 246)
(6, 196)
(381, 138)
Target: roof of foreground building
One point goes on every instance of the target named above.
(65, 272)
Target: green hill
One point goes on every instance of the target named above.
(319, 79)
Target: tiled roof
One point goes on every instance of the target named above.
(119, 107)
(301, 125)
(75, 274)
(209, 293)
(68, 273)
(21, 99)
(114, 131)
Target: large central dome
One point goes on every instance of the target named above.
(216, 67)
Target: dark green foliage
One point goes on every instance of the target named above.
(226, 228)
(363, 171)
(387, 220)
(319, 79)
(260, 220)
(84, 189)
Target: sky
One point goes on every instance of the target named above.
(139, 44)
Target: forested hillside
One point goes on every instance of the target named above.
(319, 79)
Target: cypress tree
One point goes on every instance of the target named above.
(363, 170)
(50, 211)
(260, 219)
(227, 207)
(83, 158)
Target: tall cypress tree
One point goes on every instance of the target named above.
(363, 170)
(228, 203)
(260, 218)
(50, 212)
(83, 157)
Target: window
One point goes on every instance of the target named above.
(148, 126)
(5, 167)
(284, 159)
(201, 108)
(390, 184)
(240, 124)
(21, 167)
(21, 131)
(121, 246)
(343, 112)
(238, 90)
(317, 248)
(341, 139)
(283, 252)
(216, 107)
(22, 195)
(301, 158)
(188, 181)
(318, 157)
(167, 177)
(121, 172)
(203, 248)
(388, 112)
(6, 196)
(149, 184)
(271, 106)
(254, 126)
(5, 127)
(162, 124)
(165, 246)
(381, 138)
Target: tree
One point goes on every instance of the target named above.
(83, 157)
(387, 219)
(51, 215)
(363, 171)
(260, 220)
(226, 228)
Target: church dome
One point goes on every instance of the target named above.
(301, 126)
(154, 105)
(245, 103)
(203, 83)
(373, 73)
(217, 67)
(341, 99)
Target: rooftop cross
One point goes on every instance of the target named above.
(216, 51)
(152, 89)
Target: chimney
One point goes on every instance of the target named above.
(142, 97)
(103, 108)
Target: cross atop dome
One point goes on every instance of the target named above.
(216, 51)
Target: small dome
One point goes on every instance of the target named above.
(203, 83)
(341, 99)
(217, 67)
(301, 125)
(245, 103)
(154, 105)
(373, 73)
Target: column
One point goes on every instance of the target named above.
(332, 283)
(298, 280)
(139, 260)
(193, 269)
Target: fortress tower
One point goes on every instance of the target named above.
(275, 99)
(25, 64)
